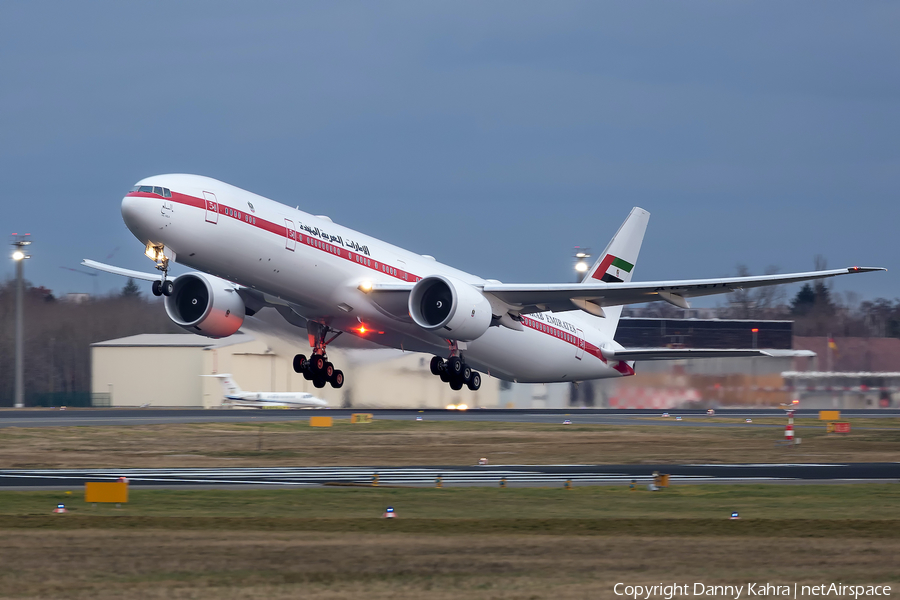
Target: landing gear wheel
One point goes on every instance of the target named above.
(156, 288)
(475, 381)
(444, 375)
(307, 374)
(319, 382)
(337, 379)
(299, 361)
(317, 364)
(466, 373)
(456, 384)
(436, 363)
(455, 365)
(329, 370)
(168, 287)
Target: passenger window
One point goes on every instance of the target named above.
(167, 193)
(147, 189)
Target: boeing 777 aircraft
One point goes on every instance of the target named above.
(250, 253)
(237, 398)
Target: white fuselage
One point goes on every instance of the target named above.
(286, 399)
(318, 265)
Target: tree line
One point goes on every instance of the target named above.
(58, 334)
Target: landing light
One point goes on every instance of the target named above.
(365, 287)
(451, 407)
(154, 252)
(18, 255)
(462, 407)
(581, 267)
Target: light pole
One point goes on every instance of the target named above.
(19, 255)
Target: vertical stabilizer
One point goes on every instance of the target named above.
(616, 263)
(228, 384)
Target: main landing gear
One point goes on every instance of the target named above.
(455, 372)
(317, 368)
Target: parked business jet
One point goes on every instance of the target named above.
(238, 398)
(250, 253)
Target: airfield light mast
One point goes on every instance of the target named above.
(19, 255)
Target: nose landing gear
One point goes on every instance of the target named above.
(317, 368)
(158, 254)
(163, 288)
(455, 372)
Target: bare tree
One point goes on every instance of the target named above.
(58, 336)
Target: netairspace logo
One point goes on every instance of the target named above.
(675, 590)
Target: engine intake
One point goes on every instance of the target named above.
(205, 305)
(451, 308)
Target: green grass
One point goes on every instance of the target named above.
(772, 502)
(385, 443)
(858, 511)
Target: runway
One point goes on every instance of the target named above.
(163, 416)
(455, 476)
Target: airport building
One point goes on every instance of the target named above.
(168, 370)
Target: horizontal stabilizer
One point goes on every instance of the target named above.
(683, 353)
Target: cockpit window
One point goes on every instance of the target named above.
(153, 189)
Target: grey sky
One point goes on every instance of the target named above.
(493, 135)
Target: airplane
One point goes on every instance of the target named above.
(251, 253)
(238, 398)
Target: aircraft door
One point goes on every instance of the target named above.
(291, 237)
(579, 346)
(212, 208)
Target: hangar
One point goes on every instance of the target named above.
(166, 370)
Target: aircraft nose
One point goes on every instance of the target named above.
(135, 215)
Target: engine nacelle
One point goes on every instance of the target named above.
(453, 309)
(205, 305)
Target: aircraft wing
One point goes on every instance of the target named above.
(591, 297)
(93, 264)
(680, 353)
(254, 300)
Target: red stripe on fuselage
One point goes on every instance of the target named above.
(283, 232)
(561, 334)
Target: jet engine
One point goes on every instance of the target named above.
(450, 308)
(205, 305)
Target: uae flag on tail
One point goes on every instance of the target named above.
(612, 269)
